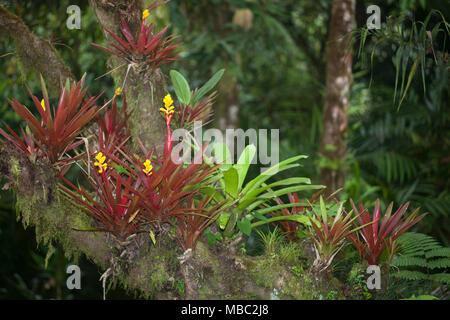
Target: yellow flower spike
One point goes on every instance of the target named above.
(148, 167)
(100, 163)
(118, 91)
(43, 104)
(145, 14)
(168, 108)
(167, 111)
(100, 158)
(167, 101)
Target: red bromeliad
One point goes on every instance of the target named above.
(117, 205)
(291, 227)
(185, 116)
(374, 237)
(113, 130)
(150, 49)
(195, 218)
(27, 145)
(60, 126)
(328, 233)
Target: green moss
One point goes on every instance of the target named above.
(15, 168)
(285, 271)
(357, 281)
(154, 271)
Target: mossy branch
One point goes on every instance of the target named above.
(34, 52)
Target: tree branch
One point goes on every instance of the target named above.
(34, 52)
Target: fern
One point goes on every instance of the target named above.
(421, 257)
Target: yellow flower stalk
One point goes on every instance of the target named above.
(118, 91)
(145, 14)
(148, 167)
(168, 100)
(43, 104)
(168, 108)
(167, 111)
(101, 162)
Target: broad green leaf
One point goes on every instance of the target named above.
(259, 216)
(231, 179)
(181, 87)
(269, 172)
(245, 226)
(279, 207)
(284, 182)
(244, 162)
(299, 218)
(211, 237)
(287, 190)
(208, 86)
(222, 155)
(223, 220)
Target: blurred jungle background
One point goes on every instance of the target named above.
(397, 130)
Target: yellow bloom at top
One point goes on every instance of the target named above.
(168, 101)
(148, 167)
(100, 163)
(168, 106)
(145, 14)
(100, 158)
(118, 91)
(43, 104)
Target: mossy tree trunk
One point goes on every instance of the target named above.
(144, 88)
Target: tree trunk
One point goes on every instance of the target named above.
(339, 78)
(145, 90)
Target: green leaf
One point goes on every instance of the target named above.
(245, 226)
(278, 207)
(287, 190)
(181, 87)
(223, 220)
(222, 155)
(284, 182)
(231, 179)
(208, 86)
(253, 184)
(410, 77)
(244, 162)
(298, 218)
(211, 237)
